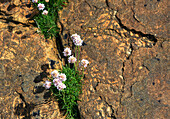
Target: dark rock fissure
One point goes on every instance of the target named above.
(131, 47)
(123, 83)
(107, 3)
(131, 88)
(4, 13)
(113, 112)
(20, 109)
(10, 7)
(149, 36)
(146, 67)
(96, 86)
(60, 47)
(13, 21)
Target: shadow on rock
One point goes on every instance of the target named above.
(38, 89)
(24, 110)
(47, 95)
(3, 1)
(43, 74)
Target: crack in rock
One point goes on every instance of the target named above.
(149, 36)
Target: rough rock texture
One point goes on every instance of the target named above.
(129, 70)
(26, 59)
(146, 89)
(128, 75)
(146, 16)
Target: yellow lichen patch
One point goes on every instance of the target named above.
(99, 107)
(117, 25)
(92, 89)
(109, 110)
(115, 40)
(103, 17)
(141, 67)
(94, 29)
(122, 45)
(105, 24)
(97, 113)
(91, 13)
(137, 35)
(104, 36)
(131, 33)
(7, 55)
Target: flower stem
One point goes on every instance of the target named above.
(63, 97)
(78, 56)
(83, 73)
(75, 66)
(68, 63)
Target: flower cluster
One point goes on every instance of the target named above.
(77, 40)
(72, 59)
(67, 52)
(41, 6)
(58, 79)
(45, 12)
(67, 88)
(84, 63)
(34, 1)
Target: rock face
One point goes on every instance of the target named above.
(146, 16)
(146, 92)
(128, 72)
(128, 75)
(26, 59)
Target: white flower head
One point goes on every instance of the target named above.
(77, 40)
(61, 86)
(72, 59)
(34, 1)
(84, 63)
(41, 6)
(62, 77)
(57, 81)
(45, 12)
(55, 74)
(67, 51)
(47, 84)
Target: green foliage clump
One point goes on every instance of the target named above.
(48, 23)
(68, 97)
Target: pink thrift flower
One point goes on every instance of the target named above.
(34, 1)
(77, 40)
(67, 52)
(72, 59)
(47, 84)
(57, 82)
(84, 63)
(41, 6)
(61, 86)
(62, 77)
(45, 12)
(55, 74)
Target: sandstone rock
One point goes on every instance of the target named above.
(128, 72)
(17, 11)
(122, 62)
(146, 78)
(146, 16)
(26, 59)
